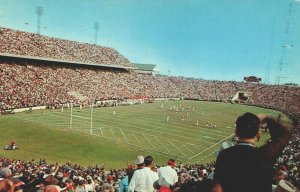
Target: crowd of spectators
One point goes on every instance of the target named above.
(32, 84)
(28, 83)
(34, 45)
(39, 176)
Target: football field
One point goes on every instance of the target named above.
(188, 131)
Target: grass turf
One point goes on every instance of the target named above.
(114, 139)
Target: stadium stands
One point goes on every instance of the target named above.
(34, 83)
(30, 44)
(26, 82)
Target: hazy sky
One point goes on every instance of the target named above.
(210, 39)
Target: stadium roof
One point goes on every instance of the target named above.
(64, 61)
(144, 67)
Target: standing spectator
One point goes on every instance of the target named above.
(80, 187)
(124, 184)
(140, 165)
(167, 175)
(89, 186)
(143, 179)
(245, 167)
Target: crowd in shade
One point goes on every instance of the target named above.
(34, 45)
(30, 83)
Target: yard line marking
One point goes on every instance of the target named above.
(112, 133)
(161, 144)
(148, 141)
(187, 148)
(77, 130)
(81, 117)
(176, 148)
(210, 147)
(151, 135)
(135, 138)
(123, 135)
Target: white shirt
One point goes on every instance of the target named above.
(142, 180)
(89, 187)
(168, 174)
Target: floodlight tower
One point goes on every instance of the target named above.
(287, 44)
(39, 12)
(96, 27)
(269, 58)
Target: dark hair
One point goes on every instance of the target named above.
(148, 160)
(171, 162)
(6, 185)
(89, 181)
(247, 125)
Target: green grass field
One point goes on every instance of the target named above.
(114, 139)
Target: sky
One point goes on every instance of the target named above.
(208, 39)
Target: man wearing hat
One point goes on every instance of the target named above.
(143, 179)
(245, 167)
(140, 165)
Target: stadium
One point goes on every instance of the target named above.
(87, 107)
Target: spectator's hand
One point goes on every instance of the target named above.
(262, 118)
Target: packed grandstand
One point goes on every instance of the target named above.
(38, 70)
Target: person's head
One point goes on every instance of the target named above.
(280, 175)
(51, 188)
(172, 163)
(247, 126)
(6, 185)
(148, 161)
(5, 172)
(89, 181)
(139, 161)
(18, 184)
(51, 180)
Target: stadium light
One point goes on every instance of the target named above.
(39, 12)
(96, 27)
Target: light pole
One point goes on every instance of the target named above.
(96, 27)
(39, 12)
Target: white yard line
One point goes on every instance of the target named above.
(124, 135)
(210, 147)
(182, 143)
(146, 148)
(161, 144)
(160, 132)
(176, 148)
